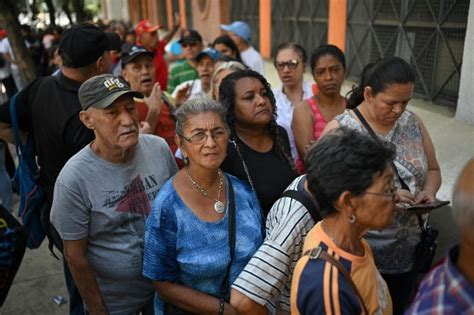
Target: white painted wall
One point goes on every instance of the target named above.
(116, 10)
(465, 109)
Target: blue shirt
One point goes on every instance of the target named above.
(444, 290)
(181, 248)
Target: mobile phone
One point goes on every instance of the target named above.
(428, 205)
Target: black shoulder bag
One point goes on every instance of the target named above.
(426, 249)
(311, 205)
(224, 292)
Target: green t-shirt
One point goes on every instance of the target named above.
(181, 73)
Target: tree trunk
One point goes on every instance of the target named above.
(34, 9)
(17, 42)
(78, 6)
(51, 11)
(67, 11)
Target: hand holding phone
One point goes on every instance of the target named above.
(427, 206)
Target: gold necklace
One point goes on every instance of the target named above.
(219, 206)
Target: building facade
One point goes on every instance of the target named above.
(430, 35)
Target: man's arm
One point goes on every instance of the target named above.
(75, 254)
(6, 132)
(177, 22)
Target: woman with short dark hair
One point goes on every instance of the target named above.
(259, 152)
(337, 272)
(380, 102)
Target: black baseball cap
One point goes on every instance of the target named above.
(129, 53)
(190, 36)
(102, 90)
(84, 44)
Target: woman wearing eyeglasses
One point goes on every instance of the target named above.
(328, 66)
(205, 225)
(351, 177)
(259, 152)
(290, 59)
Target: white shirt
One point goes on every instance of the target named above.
(6, 48)
(285, 112)
(252, 59)
(5, 71)
(196, 89)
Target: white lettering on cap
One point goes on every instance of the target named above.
(113, 83)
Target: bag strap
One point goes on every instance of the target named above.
(318, 252)
(376, 138)
(224, 290)
(310, 204)
(14, 124)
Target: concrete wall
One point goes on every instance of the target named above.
(465, 109)
(116, 9)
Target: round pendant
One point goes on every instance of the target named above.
(219, 207)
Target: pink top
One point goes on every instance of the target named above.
(319, 125)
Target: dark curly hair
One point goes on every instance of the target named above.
(227, 98)
(344, 160)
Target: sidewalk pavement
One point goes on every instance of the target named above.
(40, 277)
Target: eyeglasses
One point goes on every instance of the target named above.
(201, 137)
(390, 194)
(291, 64)
(191, 44)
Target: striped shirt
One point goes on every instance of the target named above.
(181, 73)
(267, 277)
(319, 288)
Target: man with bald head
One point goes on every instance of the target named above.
(449, 288)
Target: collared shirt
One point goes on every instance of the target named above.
(285, 112)
(444, 290)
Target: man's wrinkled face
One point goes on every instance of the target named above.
(140, 74)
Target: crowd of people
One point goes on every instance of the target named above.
(251, 200)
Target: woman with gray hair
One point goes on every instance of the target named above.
(205, 225)
(222, 70)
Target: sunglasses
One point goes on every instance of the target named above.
(291, 64)
(191, 44)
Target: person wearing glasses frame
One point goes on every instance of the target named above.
(290, 63)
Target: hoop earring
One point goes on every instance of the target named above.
(351, 219)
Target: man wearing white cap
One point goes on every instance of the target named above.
(241, 34)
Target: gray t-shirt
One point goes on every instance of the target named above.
(108, 204)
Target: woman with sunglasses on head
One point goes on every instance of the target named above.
(259, 152)
(328, 66)
(378, 106)
(205, 225)
(290, 59)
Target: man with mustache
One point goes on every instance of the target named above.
(138, 69)
(103, 196)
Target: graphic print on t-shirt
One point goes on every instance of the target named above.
(133, 198)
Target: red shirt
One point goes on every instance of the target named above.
(161, 68)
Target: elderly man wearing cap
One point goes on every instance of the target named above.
(48, 109)
(103, 196)
(139, 71)
(191, 42)
(147, 36)
(240, 33)
(198, 88)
